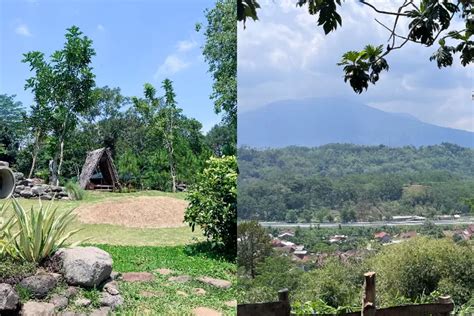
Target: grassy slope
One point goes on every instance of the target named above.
(119, 235)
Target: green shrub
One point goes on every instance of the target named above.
(213, 203)
(74, 190)
(36, 234)
(420, 266)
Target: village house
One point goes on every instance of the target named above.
(382, 237)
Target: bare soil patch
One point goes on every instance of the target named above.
(137, 212)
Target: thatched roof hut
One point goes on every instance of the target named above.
(99, 171)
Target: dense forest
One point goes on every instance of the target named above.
(344, 182)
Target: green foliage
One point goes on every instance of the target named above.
(12, 127)
(352, 182)
(364, 67)
(74, 190)
(220, 52)
(253, 245)
(213, 202)
(272, 275)
(36, 234)
(24, 293)
(62, 88)
(334, 284)
(422, 265)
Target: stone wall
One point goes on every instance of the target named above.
(36, 188)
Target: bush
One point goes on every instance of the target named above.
(35, 235)
(420, 266)
(213, 203)
(74, 190)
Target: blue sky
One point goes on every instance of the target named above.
(135, 42)
(285, 55)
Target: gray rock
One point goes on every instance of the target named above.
(103, 311)
(55, 188)
(8, 298)
(39, 285)
(82, 302)
(4, 164)
(115, 275)
(46, 197)
(180, 278)
(37, 190)
(111, 288)
(222, 284)
(71, 292)
(32, 308)
(26, 193)
(19, 188)
(112, 301)
(59, 301)
(85, 266)
(18, 176)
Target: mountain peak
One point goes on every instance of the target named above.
(319, 121)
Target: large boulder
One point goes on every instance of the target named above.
(84, 266)
(9, 299)
(39, 285)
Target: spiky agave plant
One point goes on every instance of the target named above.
(4, 227)
(37, 234)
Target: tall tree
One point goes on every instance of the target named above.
(66, 84)
(220, 52)
(168, 126)
(12, 127)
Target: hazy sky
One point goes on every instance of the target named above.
(285, 55)
(135, 41)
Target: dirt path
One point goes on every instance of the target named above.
(138, 212)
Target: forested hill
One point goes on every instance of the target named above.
(359, 182)
(319, 121)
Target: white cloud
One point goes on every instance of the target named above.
(170, 66)
(100, 28)
(23, 30)
(184, 46)
(285, 55)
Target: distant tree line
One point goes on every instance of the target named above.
(347, 182)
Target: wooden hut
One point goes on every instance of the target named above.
(99, 172)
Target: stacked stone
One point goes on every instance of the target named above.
(36, 188)
(78, 267)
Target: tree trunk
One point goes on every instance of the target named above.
(61, 158)
(35, 154)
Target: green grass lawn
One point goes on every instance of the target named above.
(184, 260)
(120, 235)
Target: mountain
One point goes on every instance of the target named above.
(315, 122)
